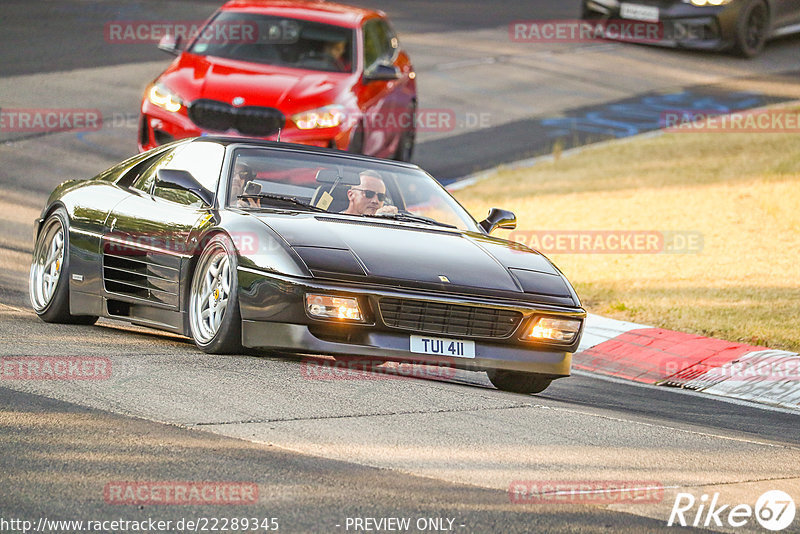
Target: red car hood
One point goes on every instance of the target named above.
(291, 90)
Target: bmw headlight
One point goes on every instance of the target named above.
(325, 117)
(557, 329)
(162, 97)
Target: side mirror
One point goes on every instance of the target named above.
(183, 180)
(382, 72)
(171, 44)
(498, 218)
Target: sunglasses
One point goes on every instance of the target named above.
(244, 175)
(369, 193)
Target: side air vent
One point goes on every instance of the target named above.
(140, 273)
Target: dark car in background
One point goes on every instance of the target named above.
(743, 26)
(246, 244)
(321, 73)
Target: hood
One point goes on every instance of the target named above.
(417, 255)
(291, 90)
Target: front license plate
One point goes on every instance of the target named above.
(637, 12)
(439, 346)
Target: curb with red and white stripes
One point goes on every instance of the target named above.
(661, 357)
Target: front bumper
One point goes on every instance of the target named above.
(395, 346)
(709, 28)
(273, 317)
(158, 126)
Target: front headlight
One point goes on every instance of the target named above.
(331, 307)
(703, 3)
(162, 97)
(325, 117)
(558, 329)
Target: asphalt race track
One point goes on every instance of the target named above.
(442, 451)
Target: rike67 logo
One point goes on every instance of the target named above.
(774, 510)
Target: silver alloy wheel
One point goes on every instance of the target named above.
(211, 288)
(48, 260)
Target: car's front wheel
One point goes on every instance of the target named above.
(518, 382)
(752, 29)
(48, 283)
(214, 317)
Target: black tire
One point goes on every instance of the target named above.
(51, 302)
(225, 335)
(518, 382)
(752, 29)
(357, 140)
(405, 146)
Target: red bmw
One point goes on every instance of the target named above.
(313, 72)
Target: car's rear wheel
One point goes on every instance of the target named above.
(405, 146)
(48, 283)
(752, 29)
(518, 382)
(214, 317)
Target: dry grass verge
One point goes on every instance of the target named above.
(740, 192)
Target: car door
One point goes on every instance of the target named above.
(150, 237)
(376, 97)
(89, 217)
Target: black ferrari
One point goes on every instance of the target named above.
(264, 245)
(743, 26)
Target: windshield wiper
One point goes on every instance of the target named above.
(405, 216)
(283, 198)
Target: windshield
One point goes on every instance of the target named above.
(262, 178)
(277, 41)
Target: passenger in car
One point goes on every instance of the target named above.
(242, 175)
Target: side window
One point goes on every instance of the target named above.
(147, 171)
(380, 43)
(390, 44)
(202, 159)
(124, 173)
(372, 43)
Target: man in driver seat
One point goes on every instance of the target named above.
(369, 197)
(335, 52)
